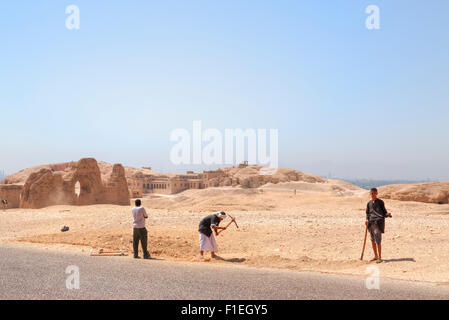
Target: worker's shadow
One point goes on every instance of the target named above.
(233, 260)
(399, 260)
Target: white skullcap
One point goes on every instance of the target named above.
(221, 214)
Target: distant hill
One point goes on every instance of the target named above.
(430, 192)
(370, 183)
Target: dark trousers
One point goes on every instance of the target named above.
(142, 235)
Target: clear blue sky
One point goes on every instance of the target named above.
(346, 100)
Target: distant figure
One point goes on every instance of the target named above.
(4, 204)
(375, 221)
(207, 239)
(140, 233)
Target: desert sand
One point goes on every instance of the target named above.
(318, 228)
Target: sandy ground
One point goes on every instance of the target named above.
(310, 231)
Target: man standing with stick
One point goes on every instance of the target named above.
(375, 223)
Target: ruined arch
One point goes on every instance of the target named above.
(82, 188)
(77, 190)
(45, 188)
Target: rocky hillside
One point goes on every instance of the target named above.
(432, 192)
(256, 176)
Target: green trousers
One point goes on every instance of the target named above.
(140, 234)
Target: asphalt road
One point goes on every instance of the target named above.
(39, 274)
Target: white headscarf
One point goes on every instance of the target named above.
(221, 214)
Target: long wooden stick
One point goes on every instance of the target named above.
(364, 243)
(107, 253)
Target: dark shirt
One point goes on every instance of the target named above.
(375, 210)
(205, 224)
(376, 213)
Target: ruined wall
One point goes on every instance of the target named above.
(117, 187)
(88, 174)
(44, 188)
(11, 193)
(47, 188)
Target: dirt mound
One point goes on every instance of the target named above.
(21, 176)
(256, 176)
(121, 239)
(433, 192)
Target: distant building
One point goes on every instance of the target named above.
(142, 183)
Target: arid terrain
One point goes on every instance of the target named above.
(320, 227)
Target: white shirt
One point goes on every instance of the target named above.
(139, 215)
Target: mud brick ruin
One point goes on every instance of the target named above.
(48, 187)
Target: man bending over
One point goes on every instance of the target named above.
(207, 239)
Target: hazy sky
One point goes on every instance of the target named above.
(346, 100)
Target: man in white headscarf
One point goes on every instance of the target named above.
(207, 239)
